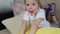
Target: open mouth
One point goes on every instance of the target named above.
(31, 11)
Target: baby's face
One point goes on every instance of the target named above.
(31, 6)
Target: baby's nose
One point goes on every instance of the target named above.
(30, 7)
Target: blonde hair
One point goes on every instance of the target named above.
(38, 1)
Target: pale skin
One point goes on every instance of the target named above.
(33, 28)
(31, 7)
(34, 25)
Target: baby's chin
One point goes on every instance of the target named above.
(31, 12)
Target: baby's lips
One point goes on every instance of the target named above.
(31, 10)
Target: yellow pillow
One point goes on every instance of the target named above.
(46, 31)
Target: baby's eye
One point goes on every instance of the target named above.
(27, 4)
(33, 4)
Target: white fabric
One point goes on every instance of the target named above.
(40, 14)
(13, 24)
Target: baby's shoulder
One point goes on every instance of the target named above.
(41, 10)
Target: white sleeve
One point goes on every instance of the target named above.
(41, 14)
(26, 16)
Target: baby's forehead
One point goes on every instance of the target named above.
(30, 1)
